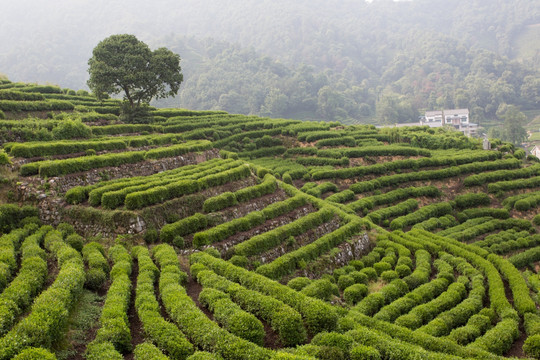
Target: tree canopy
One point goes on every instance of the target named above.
(122, 63)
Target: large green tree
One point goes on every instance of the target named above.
(122, 63)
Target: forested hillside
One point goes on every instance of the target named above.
(350, 61)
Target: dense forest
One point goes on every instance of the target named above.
(350, 61)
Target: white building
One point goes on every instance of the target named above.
(457, 118)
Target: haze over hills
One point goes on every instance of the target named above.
(333, 60)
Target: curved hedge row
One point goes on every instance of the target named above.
(9, 244)
(525, 258)
(179, 149)
(19, 95)
(226, 199)
(231, 316)
(159, 194)
(369, 202)
(424, 213)
(405, 207)
(433, 174)
(50, 310)
(27, 284)
(413, 164)
(28, 150)
(163, 333)
(182, 227)
(98, 266)
(437, 223)
(255, 218)
(117, 189)
(318, 316)
(503, 186)
(283, 319)
(47, 105)
(202, 331)
(114, 320)
(501, 175)
(291, 261)
(270, 239)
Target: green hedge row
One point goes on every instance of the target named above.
(482, 212)
(50, 311)
(11, 216)
(403, 343)
(341, 197)
(414, 164)
(311, 136)
(403, 305)
(227, 199)
(283, 319)
(124, 129)
(291, 261)
(263, 152)
(270, 239)
(471, 232)
(372, 303)
(161, 332)
(159, 194)
(182, 227)
(448, 321)
(424, 213)
(148, 351)
(501, 175)
(437, 223)
(426, 312)
(19, 95)
(227, 229)
(502, 236)
(323, 188)
(119, 188)
(203, 332)
(9, 244)
(30, 279)
(520, 291)
(340, 141)
(367, 203)
(383, 181)
(499, 339)
(308, 150)
(232, 317)
(318, 316)
(28, 150)
(512, 245)
(52, 168)
(13, 105)
(469, 200)
(405, 207)
(497, 295)
(114, 316)
(525, 258)
(504, 186)
(476, 326)
(179, 149)
(322, 161)
(98, 266)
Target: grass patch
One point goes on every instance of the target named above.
(83, 318)
(376, 286)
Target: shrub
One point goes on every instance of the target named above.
(363, 352)
(76, 241)
(389, 275)
(72, 129)
(531, 347)
(299, 283)
(35, 354)
(151, 236)
(355, 293)
(320, 289)
(183, 227)
(287, 178)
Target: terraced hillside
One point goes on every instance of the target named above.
(206, 235)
